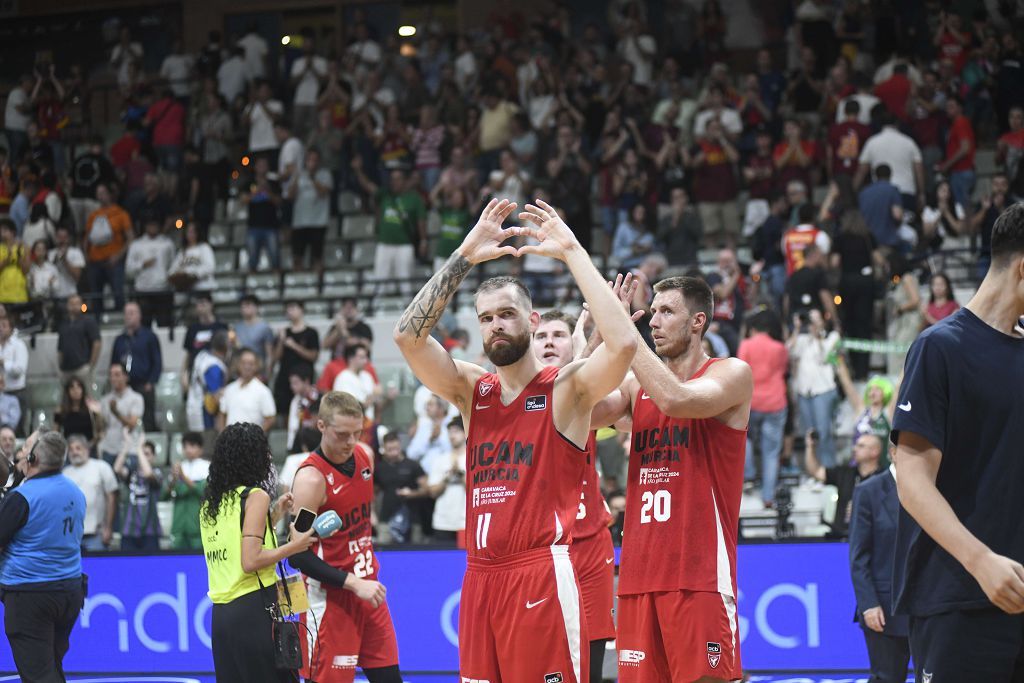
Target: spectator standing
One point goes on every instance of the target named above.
(310, 192)
(759, 176)
(99, 485)
(942, 217)
(446, 483)
(209, 376)
(984, 218)
(216, 131)
(233, 78)
(846, 139)
(401, 228)
(79, 413)
(903, 311)
(795, 157)
(121, 410)
(69, 262)
(296, 348)
(199, 333)
(495, 128)
(715, 187)
(569, 173)
(797, 239)
(894, 92)
(78, 343)
(867, 450)
(308, 74)
(88, 170)
(247, 399)
(941, 302)
(808, 287)
(814, 380)
(874, 513)
(769, 363)
(253, 332)
(264, 217)
(255, 49)
(430, 440)
(303, 408)
(41, 523)
(730, 290)
(873, 409)
(903, 157)
(15, 262)
(882, 207)
(10, 410)
(14, 364)
(455, 222)
(1010, 147)
(148, 263)
(138, 350)
(260, 115)
(186, 487)
(17, 114)
(140, 529)
(960, 147)
(193, 266)
(289, 160)
(108, 234)
(21, 206)
(680, 230)
(176, 71)
(126, 59)
(356, 380)
(458, 174)
(633, 241)
(854, 257)
(399, 481)
(166, 117)
(425, 143)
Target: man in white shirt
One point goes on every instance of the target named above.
(716, 109)
(365, 50)
(430, 442)
(260, 116)
(176, 69)
(126, 58)
(121, 410)
(14, 364)
(903, 157)
(446, 484)
(863, 97)
(97, 481)
(233, 76)
(308, 74)
(289, 160)
(247, 399)
(17, 114)
(255, 50)
(355, 379)
(147, 264)
(69, 261)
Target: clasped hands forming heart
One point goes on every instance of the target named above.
(484, 241)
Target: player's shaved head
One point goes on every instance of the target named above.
(497, 283)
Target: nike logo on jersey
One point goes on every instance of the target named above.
(531, 605)
(904, 406)
(336, 489)
(480, 407)
(609, 560)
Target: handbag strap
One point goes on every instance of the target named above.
(279, 571)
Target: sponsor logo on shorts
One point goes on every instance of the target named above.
(714, 654)
(553, 678)
(474, 680)
(366, 474)
(485, 389)
(536, 403)
(631, 657)
(345, 661)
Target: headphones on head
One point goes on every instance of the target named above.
(31, 457)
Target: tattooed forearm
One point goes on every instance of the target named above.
(428, 306)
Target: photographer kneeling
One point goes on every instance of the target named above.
(41, 581)
(240, 554)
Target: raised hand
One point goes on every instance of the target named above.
(555, 237)
(483, 243)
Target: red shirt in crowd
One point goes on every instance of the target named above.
(959, 131)
(123, 150)
(768, 361)
(762, 187)
(894, 93)
(714, 180)
(845, 140)
(955, 49)
(167, 117)
(792, 170)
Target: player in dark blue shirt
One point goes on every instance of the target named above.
(959, 427)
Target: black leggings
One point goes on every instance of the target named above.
(597, 660)
(385, 674)
(243, 645)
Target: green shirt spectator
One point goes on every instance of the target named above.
(188, 482)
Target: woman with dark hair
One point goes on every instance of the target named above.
(241, 552)
(853, 255)
(942, 217)
(192, 269)
(78, 412)
(941, 302)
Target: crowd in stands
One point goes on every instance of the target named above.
(823, 184)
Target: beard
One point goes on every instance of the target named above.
(677, 348)
(508, 353)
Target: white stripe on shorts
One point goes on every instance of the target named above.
(569, 599)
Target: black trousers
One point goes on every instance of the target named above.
(889, 657)
(38, 627)
(243, 642)
(857, 312)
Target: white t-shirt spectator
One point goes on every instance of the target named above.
(291, 465)
(232, 77)
(42, 280)
(251, 402)
(639, 51)
(291, 155)
(261, 124)
(465, 70)
(72, 256)
(151, 277)
(129, 404)
(814, 374)
(96, 480)
(729, 118)
(311, 210)
(360, 385)
(308, 87)
(14, 119)
(867, 102)
(423, 448)
(14, 355)
(176, 70)
(450, 507)
(196, 470)
(255, 52)
(121, 57)
(899, 152)
(199, 261)
(367, 52)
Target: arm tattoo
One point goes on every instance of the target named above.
(426, 309)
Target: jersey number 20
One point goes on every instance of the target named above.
(657, 504)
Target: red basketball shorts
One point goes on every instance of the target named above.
(677, 636)
(520, 620)
(594, 559)
(345, 632)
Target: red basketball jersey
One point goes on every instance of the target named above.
(592, 514)
(351, 548)
(524, 478)
(682, 502)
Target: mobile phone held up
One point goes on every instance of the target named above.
(304, 520)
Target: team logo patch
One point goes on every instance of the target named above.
(485, 388)
(366, 474)
(631, 657)
(553, 678)
(330, 478)
(714, 654)
(536, 403)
